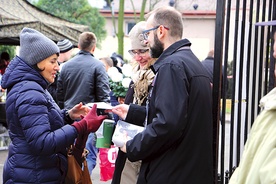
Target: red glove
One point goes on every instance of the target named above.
(90, 123)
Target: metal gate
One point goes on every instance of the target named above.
(246, 50)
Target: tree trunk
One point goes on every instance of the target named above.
(142, 13)
(120, 28)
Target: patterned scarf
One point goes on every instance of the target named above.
(142, 79)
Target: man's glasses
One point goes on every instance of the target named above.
(140, 52)
(147, 32)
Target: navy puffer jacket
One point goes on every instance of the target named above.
(37, 153)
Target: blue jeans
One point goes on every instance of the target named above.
(93, 151)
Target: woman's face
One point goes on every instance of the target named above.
(50, 68)
(142, 57)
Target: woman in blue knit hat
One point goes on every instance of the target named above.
(40, 132)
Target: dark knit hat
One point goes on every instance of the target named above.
(64, 45)
(35, 47)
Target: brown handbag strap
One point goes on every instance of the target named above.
(70, 150)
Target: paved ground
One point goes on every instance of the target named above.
(95, 174)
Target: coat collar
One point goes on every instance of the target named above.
(169, 51)
(85, 53)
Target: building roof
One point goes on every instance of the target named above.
(17, 14)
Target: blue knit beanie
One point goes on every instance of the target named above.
(35, 47)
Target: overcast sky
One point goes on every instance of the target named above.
(97, 3)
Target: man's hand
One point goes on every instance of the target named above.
(121, 110)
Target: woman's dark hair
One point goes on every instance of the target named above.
(38, 69)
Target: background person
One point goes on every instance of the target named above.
(127, 172)
(119, 58)
(208, 63)
(65, 48)
(83, 79)
(5, 60)
(116, 63)
(40, 132)
(108, 63)
(176, 146)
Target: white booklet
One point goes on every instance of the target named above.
(100, 105)
(123, 128)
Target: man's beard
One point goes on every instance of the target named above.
(157, 48)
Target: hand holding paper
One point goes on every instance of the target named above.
(121, 110)
(123, 132)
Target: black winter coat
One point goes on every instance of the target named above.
(176, 146)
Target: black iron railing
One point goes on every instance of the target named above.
(246, 50)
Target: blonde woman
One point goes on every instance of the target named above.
(126, 172)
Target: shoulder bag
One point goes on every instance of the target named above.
(75, 174)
